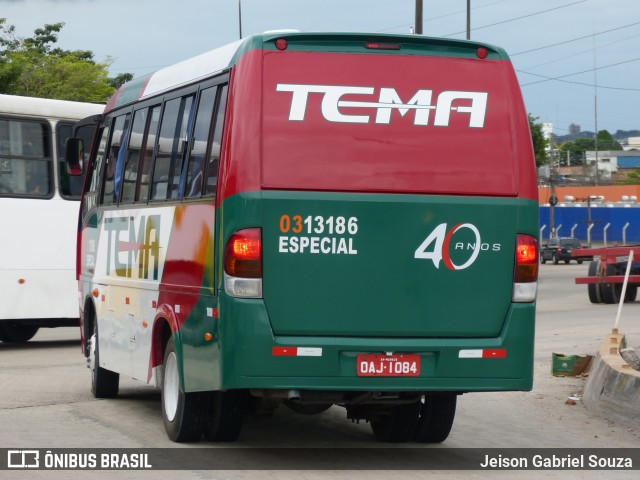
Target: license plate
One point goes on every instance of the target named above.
(380, 365)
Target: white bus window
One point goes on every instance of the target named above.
(214, 156)
(25, 159)
(201, 129)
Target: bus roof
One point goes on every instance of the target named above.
(223, 58)
(45, 107)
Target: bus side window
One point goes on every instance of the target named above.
(214, 155)
(173, 138)
(201, 131)
(115, 161)
(90, 199)
(25, 158)
(147, 154)
(132, 163)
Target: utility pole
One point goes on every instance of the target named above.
(240, 17)
(553, 200)
(418, 17)
(595, 103)
(468, 19)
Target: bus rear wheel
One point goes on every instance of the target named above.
(184, 414)
(17, 333)
(226, 415)
(398, 425)
(436, 418)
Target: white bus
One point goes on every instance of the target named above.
(38, 214)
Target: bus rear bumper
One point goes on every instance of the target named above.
(249, 356)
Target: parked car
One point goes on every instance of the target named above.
(558, 249)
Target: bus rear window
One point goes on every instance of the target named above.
(341, 122)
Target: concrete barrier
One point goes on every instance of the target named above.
(613, 387)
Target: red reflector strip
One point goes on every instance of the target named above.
(296, 352)
(284, 351)
(497, 353)
(483, 353)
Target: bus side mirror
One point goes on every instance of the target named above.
(74, 156)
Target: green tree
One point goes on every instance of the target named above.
(34, 67)
(539, 142)
(605, 142)
(120, 80)
(632, 178)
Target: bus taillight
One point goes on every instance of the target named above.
(243, 264)
(525, 276)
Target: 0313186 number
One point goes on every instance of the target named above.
(319, 225)
(379, 365)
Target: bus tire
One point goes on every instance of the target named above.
(226, 415)
(436, 418)
(17, 333)
(593, 289)
(183, 414)
(397, 426)
(104, 383)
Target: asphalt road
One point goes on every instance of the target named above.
(45, 402)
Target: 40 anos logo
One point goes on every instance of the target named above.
(462, 241)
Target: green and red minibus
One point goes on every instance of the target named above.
(313, 220)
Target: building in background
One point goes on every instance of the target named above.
(574, 129)
(547, 132)
(631, 143)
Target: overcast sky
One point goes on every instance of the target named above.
(144, 35)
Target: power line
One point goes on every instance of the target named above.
(465, 11)
(584, 51)
(559, 79)
(577, 83)
(574, 39)
(406, 25)
(517, 18)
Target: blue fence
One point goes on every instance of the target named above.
(618, 217)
